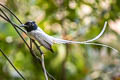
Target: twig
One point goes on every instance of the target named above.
(12, 64)
(42, 62)
(8, 58)
(13, 15)
(43, 66)
(13, 26)
(11, 12)
(37, 46)
(30, 47)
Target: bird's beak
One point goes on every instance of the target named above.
(22, 25)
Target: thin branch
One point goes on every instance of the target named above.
(31, 51)
(12, 64)
(11, 12)
(42, 61)
(13, 15)
(50, 76)
(13, 26)
(4, 14)
(3, 17)
(37, 46)
(7, 57)
(43, 66)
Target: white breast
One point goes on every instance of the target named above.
(40, 36)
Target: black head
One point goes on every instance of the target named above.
(30, 25)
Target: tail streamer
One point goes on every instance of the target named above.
(88, 42)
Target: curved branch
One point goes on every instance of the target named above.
(30, 49)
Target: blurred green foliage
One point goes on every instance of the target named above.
(69, 19)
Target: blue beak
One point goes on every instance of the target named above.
(22, 25)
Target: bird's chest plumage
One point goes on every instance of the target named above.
(40, 36)
(35, 35)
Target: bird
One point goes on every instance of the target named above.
(45, 40)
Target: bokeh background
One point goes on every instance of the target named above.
(77, 20)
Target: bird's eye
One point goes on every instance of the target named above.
(32, 24)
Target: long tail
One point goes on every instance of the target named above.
(88, 42)
(61, 41)
(100, 34)
(91, 40)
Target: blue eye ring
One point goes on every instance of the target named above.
(32, 24)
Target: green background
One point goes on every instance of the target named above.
(77, 20)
